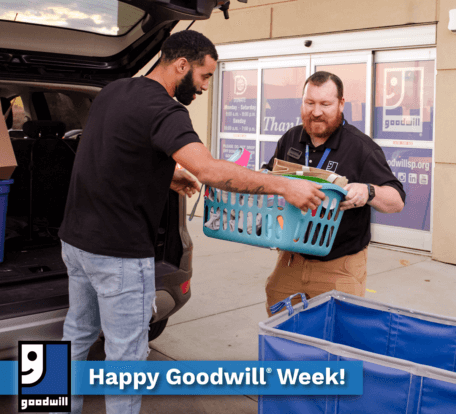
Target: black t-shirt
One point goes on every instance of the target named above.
(123, 169)
(353, 155)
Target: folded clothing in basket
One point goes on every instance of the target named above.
(214, 220)
(214, 223)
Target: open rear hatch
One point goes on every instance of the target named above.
(98, 42)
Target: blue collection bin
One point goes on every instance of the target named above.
(409, 357)
(4, 190)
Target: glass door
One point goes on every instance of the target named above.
(404, 128)
(389, 96)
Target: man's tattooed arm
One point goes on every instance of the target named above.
(228, 186)
(227, 176)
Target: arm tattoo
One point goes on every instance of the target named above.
(228, 186)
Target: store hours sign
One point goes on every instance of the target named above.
(239, 102)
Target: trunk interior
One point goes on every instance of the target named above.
(33, 276)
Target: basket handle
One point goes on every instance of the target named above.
(287, 302)
(192, 214)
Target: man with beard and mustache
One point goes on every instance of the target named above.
(327, 141)
(124, 168)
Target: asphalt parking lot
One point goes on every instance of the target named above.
(221, 320)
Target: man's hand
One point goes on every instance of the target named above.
(387, 199)
(184, 184)
(357, 196)
(304, 194)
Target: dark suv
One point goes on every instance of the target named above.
(54, 60)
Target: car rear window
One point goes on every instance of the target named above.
(109, 17)
(62, 108)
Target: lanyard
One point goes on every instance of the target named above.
(323, 158)
(325, 154)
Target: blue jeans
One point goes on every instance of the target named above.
(116, 295)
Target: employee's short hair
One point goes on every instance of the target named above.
(189, 44)
(321, 77)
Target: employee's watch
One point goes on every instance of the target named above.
(371, 191)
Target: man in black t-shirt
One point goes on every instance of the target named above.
(327, 141)
(124, 168)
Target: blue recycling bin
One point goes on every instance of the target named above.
(4, 191)
(409, 357)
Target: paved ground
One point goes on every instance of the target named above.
(221, 320)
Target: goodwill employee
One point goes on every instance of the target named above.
(325, 140)
(124, 168)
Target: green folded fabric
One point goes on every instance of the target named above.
(315, 179)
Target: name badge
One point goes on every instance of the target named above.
(294, 153)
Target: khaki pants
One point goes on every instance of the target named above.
(295, 274)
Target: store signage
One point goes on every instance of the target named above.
(239, 106)
(413, 168)
(403, 90)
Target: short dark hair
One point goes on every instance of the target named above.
(189, 44)
(321, 77)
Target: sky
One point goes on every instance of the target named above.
(99, 16)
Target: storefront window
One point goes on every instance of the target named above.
(281, 99)
(404, 100)
(239, 101)
(267, 150)
(404, 116)
(353, 77)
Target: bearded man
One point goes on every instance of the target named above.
(327, 141)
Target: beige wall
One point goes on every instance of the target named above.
(267, 19)
(444, 234)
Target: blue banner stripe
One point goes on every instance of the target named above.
(9, 379)
(205, 378)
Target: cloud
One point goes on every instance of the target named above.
(93, 25)
(88, 15)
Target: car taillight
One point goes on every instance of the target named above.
(185, 287)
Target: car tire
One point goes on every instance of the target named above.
(157, 328)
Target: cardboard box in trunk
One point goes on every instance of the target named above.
(7, 158)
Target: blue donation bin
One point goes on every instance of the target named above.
(409, 357)
(4, 190)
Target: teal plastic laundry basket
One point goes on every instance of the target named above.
(4, 191)
(269, 221)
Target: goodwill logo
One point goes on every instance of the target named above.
(240, 85)
(44, 376)
(403, 100)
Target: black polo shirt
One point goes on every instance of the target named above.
(123, 169)
(353, 155)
